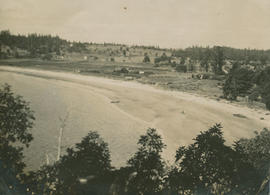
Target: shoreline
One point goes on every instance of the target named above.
(68, 76)
(123, 110)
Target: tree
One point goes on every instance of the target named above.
(124, 53)
(163, 58)
(238, 82)
(147, 165)
(218, 59)
(47, 57)
(146, 58)
(16, 121)
(205, 59)
(181, 68)
(262, 79)
(208, 166)
(256, 151)
(182, 61)
(85, 169)
(263, 60)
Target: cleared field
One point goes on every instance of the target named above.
(120, 111)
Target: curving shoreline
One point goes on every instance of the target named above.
(178, 116)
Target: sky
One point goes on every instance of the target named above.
(164, 23)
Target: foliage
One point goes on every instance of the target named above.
(262, 79)
(263, 59)
(205, 59)
(181, 68)
(35, 44)
(163, 58)
(208, 166)
(238, 82)
(256, 150)
(89, 161)
(47, 57)
(218, 59)
(247, 56)
(147, 165)
(146, 58)
(242, 81)
(16, 120)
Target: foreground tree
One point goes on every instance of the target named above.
(90, 159)
(85, 169)
(147, 165)
(208, 166)
(16, 121)
(256, 151)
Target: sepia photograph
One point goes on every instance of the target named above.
(125, 97)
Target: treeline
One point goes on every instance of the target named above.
(207, 166)
(248, 82)
(246, 56)
(37, 45)
(213, 59)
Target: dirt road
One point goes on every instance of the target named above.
(120, 111)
